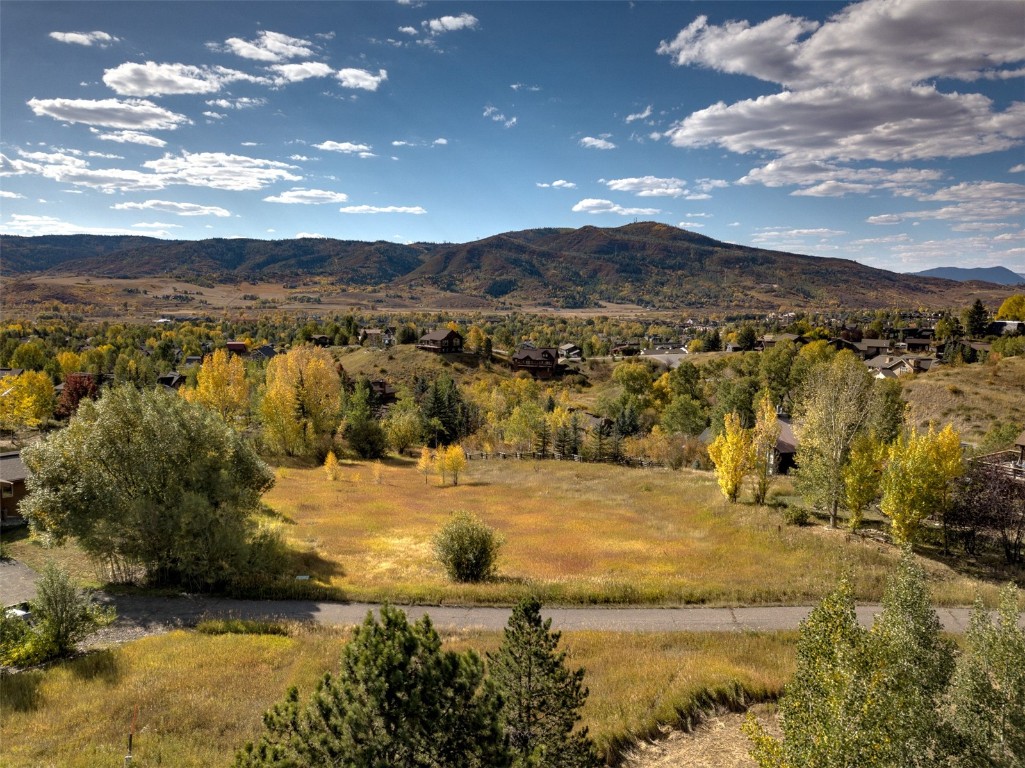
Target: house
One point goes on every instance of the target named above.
(237, 347)
(12, 486)
(385, 393)
(786, 446)
(320, 340)
(571, 352)
(381, 338)
(769, 340)
(540, 362)
(1005, 328)
(171, 380)
(890, 366)
(5, 372)
(263, 352)
(441, 342)
(192, 360)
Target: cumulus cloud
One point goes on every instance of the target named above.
(346, 148)
(409, 30)
(492, 113)
(218, 170)
(243, 102)
(450, 23)
(642, 115)
(885, 218)
(827, 179)
(130, 137)
(593, 205)
(11, 195)
(296, 73)
(863, 85)
(649, 186)
(300, 196)
(590, 142)
(310, 235)
(97, 38)
(416, 210)
(129, 114)
(153, 79)
(557, 184)
(29, 225)
(271, 46)
(361, 79)
(525, 87)
(169, 206)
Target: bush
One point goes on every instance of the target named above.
(796, 516)
(468, 548)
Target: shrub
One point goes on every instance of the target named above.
(468, 548)
(65, 614)
(796, 516)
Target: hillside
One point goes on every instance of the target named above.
(998, 275)
(645, 263)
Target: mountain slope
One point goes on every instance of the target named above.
(642, 263)
(998, 275)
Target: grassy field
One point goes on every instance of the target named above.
(974, 398)
(574, 533)
(196, 709)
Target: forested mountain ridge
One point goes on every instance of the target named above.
(644, 263)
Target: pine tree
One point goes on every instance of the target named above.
(398, 700)
(541, 696)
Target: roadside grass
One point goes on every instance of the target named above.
(200, 697)
(575, 533)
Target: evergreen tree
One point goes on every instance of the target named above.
(398, 700)
(541, 696)
(976, 320)
(363, 432)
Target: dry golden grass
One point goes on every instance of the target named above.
(574, 533)
(974, 398)
(200, 697)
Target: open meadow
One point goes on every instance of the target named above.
(200, 697)
(574, 533)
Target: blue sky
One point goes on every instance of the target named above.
(886, 131)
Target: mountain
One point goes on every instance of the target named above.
(998, 275)
(643, 263)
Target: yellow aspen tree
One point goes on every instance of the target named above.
(861, 476)
(331, 466)
(300, 404)
(70, 362)
(916, 481)
(455, 462)
(221, 386)
(731, 454)
(26, 400)
(425, 465)
(440, 466)
(763, 448)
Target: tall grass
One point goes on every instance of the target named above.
(574, 533)
(200, 697)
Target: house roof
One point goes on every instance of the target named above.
(440, 335)
(543, 354)
(787, 440)
(11, 467)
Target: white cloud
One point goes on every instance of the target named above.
(310, 235)
(525, 87)
(153, 79)
(824, 178)
(885, 218)
(168, 206)
(129, 114)
(361, 79)
(415, 210)
(97, 38)
(346, 148)
(1020, 168)
(557, 184)
(450, 23)
(271, 46)
(440, 142)
(296, 73)
(299, 158)
(218, 170)
(590, 142)
(29, 225)
(690, 225)
(592, 205)
(767, 233)
(642, 115)
(214, 115)
(301, 196)
(155, 225)
(649, 186)
(492, 113)
(979, 190)
(131, 137)
(243, 102)
(11, 195)
(863, 85)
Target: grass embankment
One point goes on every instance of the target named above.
(974, 398)
(574, 533)
(200, 697)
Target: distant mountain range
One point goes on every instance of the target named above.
(998, 275)
(643, 263)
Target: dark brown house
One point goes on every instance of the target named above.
(441, 342)
(12, 485)
(540, 362)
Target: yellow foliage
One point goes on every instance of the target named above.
(331, 466)
(301, 400)
(26, 400)
(731, 454)
(763, 447)
(454, 462)
(221, 386)
(425, 465)
(70, 362)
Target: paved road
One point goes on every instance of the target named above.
(142, 613)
